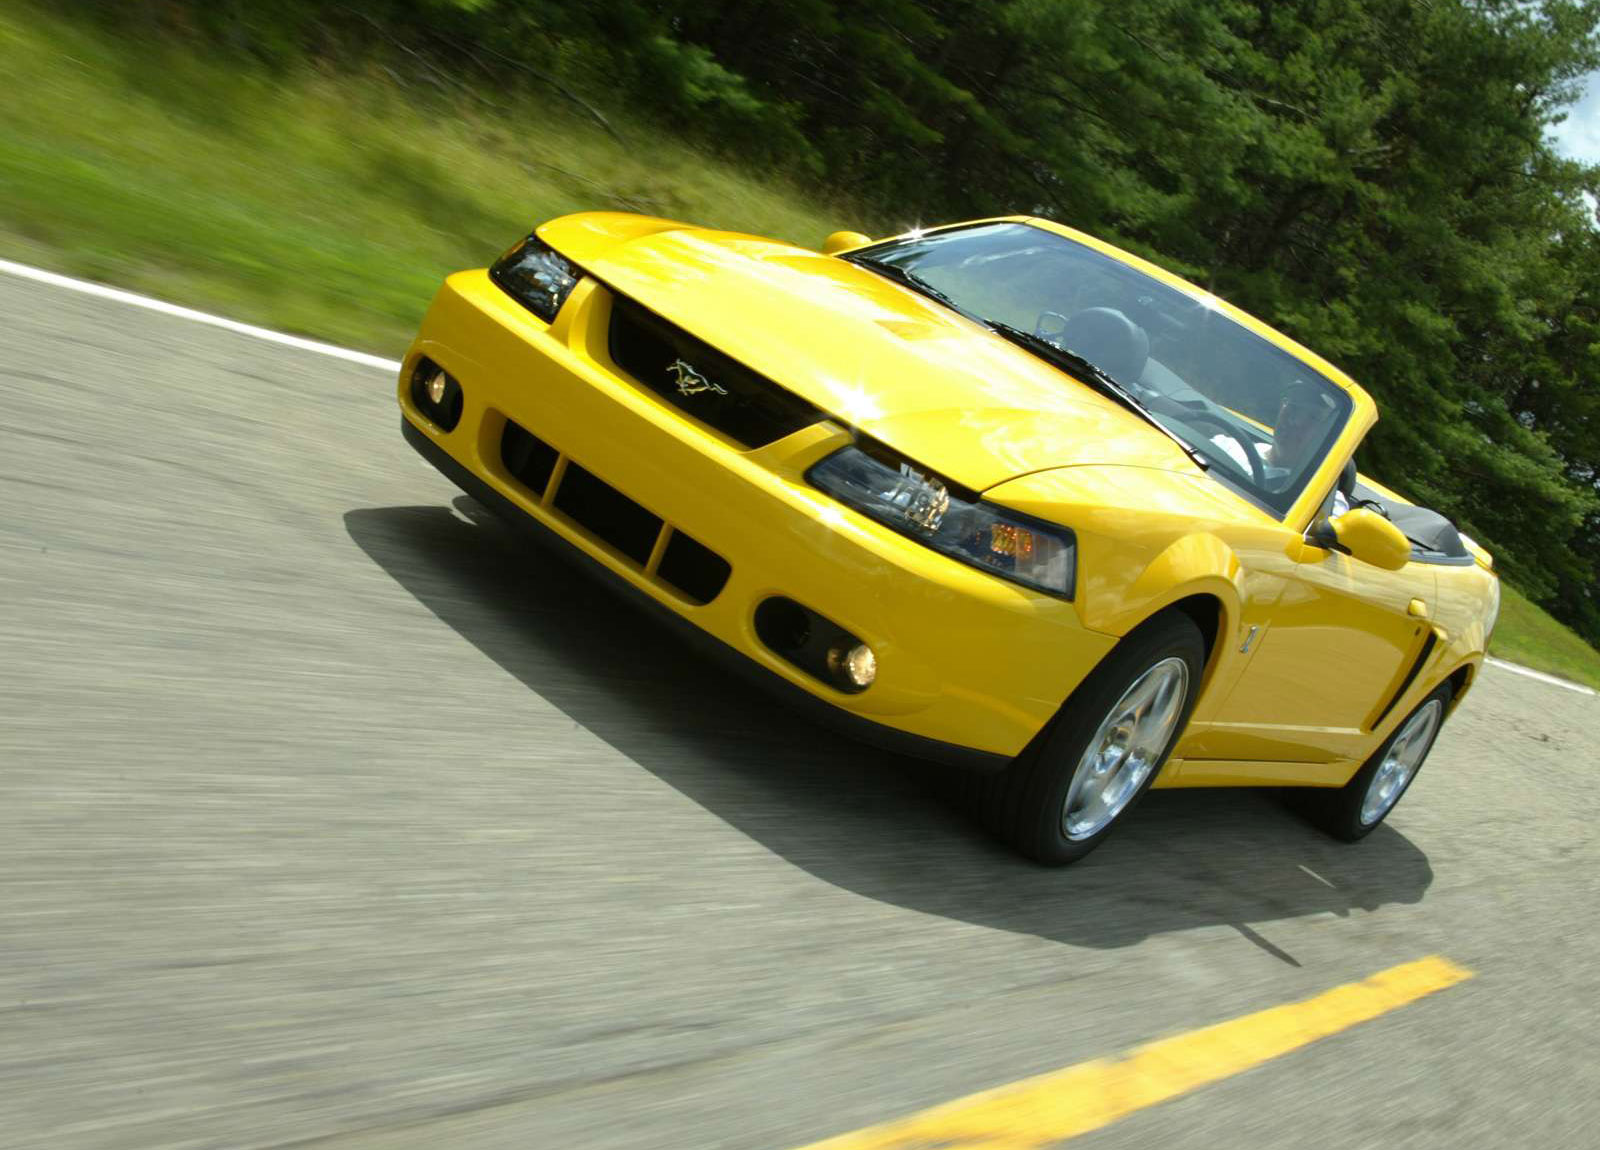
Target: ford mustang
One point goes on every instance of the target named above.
(997, 494)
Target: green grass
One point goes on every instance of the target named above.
(332, 205)
(1528, 635)
(329, 205)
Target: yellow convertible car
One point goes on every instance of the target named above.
(996, 494)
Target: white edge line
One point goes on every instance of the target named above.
(134, 299)
(1519, 669)
(38, 275)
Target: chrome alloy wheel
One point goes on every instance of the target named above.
(1125, 750)
(1400, 761)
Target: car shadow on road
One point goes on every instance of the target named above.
(882, 826)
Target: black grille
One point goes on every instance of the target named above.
(693, 568)
(721, 392)
(608, 514)
(688, 566)
(529, 458)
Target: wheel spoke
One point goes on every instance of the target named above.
(1400, 762)
(1125, 749)
(1162, 714)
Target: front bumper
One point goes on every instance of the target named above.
(970, 667)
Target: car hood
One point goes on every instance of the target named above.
(879, 357)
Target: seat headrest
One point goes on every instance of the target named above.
(1109, 340)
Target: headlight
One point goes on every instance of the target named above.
(901, 496)
(536, 276)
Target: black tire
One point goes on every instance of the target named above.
(1024, 804)
(1339, 812)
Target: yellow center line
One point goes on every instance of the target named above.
(1041, 1111)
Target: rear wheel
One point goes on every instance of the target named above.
(1355, 810)
(1079, 779)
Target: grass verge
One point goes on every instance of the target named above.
(328, 205)
(1530, 636)
(332, 205)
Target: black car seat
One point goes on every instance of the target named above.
(1109, 340)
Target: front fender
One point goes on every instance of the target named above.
(1194, 565)
(1146, 539)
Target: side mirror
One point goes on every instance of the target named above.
(844, 241)
(1367, 536)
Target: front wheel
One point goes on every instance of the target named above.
(1354, 811)
(1064, 794)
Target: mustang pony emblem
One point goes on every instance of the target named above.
(690, 381)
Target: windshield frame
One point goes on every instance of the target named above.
(1354, 411)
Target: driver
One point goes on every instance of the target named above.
(1304, 416)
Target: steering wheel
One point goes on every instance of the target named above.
(1258, 467)
(1048, 330)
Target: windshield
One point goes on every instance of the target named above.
(1260, 419)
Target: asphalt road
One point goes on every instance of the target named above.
(331, 816)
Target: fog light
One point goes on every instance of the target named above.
(816, 645)
(436, 386)
(857, 665)
(436, 394)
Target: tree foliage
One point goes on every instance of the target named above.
(1372, 176)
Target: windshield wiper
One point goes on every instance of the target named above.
(1084, 369)
(913, 281)
(1092, 374)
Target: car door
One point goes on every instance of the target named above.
(1341, 640)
